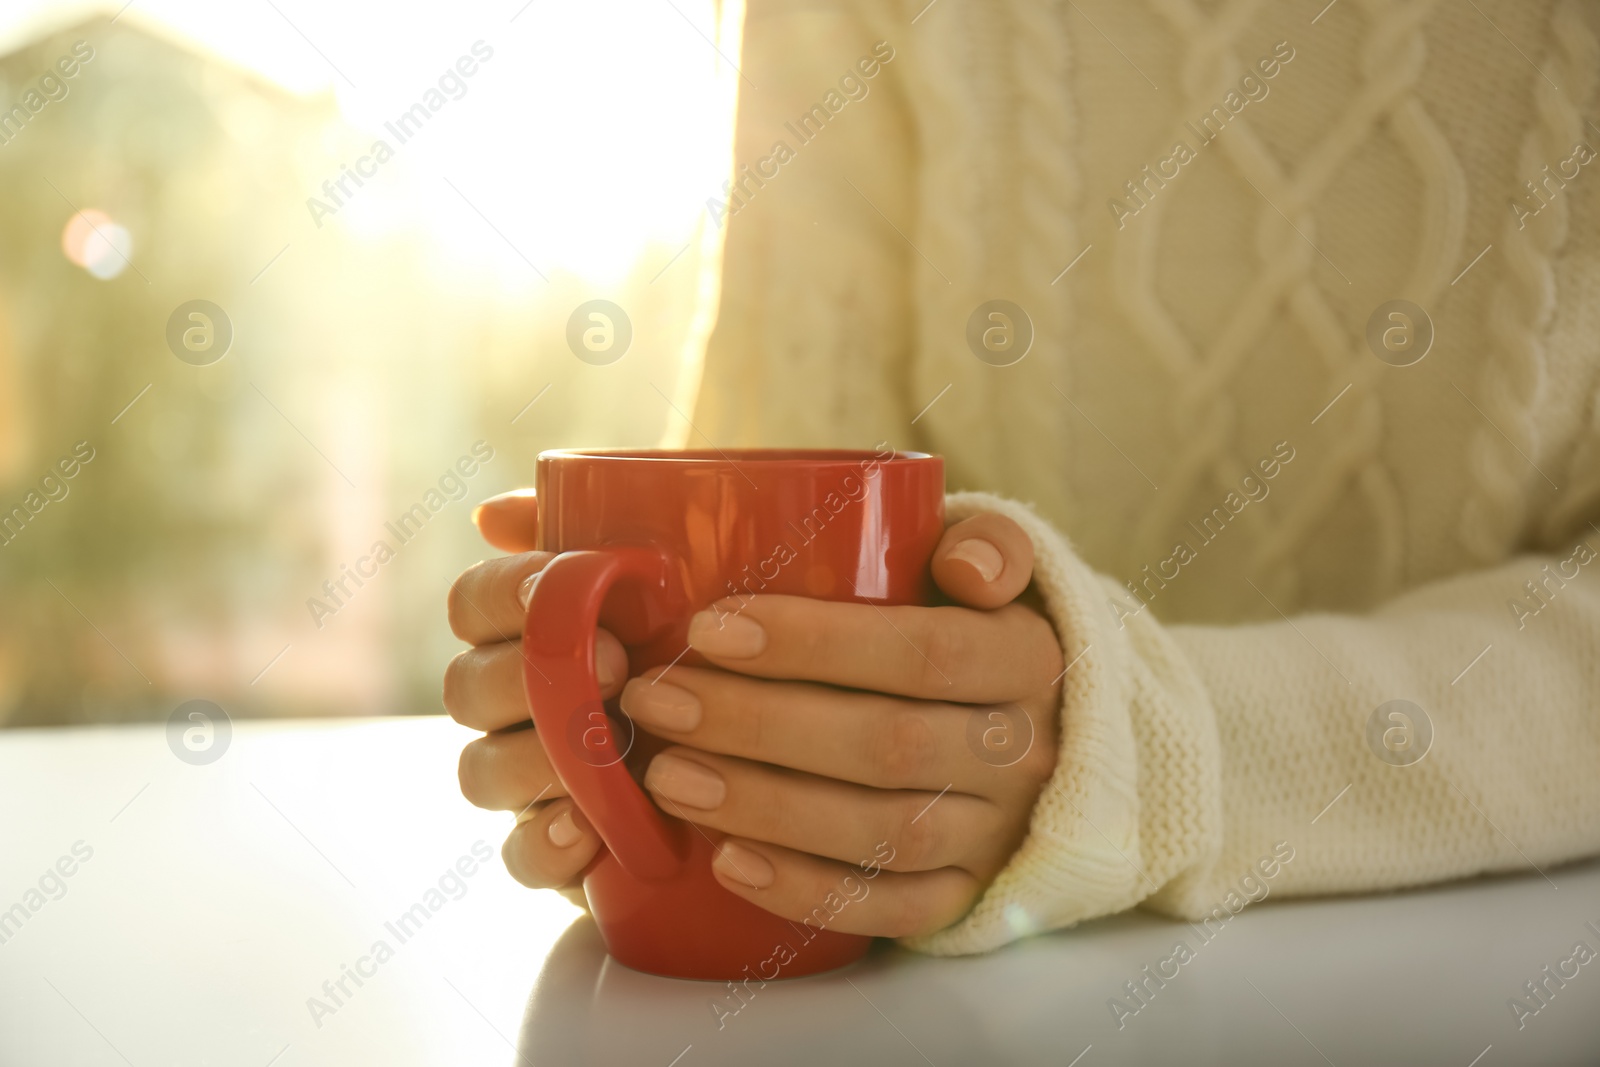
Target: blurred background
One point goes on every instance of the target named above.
(380, 330)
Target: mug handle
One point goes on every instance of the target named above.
(563, 693)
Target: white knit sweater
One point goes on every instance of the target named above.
(1233, 633)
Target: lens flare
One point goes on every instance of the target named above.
(97, 243)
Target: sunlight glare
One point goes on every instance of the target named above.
(595, 132)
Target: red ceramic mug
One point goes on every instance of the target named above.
(646, 539)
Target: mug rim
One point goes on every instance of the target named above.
(752, 456)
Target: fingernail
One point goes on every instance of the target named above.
(726, 634)
(475, 513)
(604, 672)
(743, 865)
(685, 781)
(563, 831)
(983, 556)
(659, 704)
(525, 590)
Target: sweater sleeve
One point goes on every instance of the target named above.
(812, 341)
(1205, 766)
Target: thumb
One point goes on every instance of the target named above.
(983, 562)
(509, 521)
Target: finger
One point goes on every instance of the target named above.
(875, 740)
(508, 771)
(944, 653)
(825, 817)
(509, 521)
(483, 686)
(551, 846)
(488, 602)
(983, 562)
(829, 895)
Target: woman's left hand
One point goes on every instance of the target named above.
(902, 744)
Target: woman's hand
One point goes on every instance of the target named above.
(507, 769)
(834, 735)
(839, 738)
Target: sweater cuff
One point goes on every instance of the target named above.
(1082, 854)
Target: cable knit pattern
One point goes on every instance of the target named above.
(1510, 388)
(1219, 703)
(1392, 59)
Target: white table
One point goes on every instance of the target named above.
(219, 898)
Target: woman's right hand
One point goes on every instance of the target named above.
(507, 769)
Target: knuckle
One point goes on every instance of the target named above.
(810, 644)
(457, 606)
(454, 690)
(941, 643)
(750, 728)
(500, 592)
(916, 838)
(469, 772)
(1027, 757)
(903, 749)
(774, 814)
